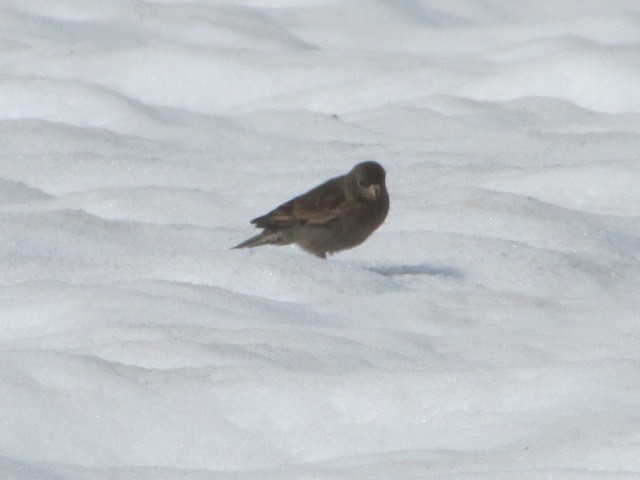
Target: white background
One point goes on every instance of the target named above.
(490, 329)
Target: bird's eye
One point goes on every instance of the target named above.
(360, 182)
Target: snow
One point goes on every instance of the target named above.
(490, 329)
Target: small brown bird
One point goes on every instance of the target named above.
(341, 213)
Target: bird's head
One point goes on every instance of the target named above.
(368, 180)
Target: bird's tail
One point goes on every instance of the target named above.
(265, 238)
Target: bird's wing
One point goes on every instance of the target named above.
(317, 207)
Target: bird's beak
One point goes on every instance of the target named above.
(371, 192)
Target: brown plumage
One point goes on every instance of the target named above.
(341, 213)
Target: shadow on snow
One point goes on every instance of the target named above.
(419, 269)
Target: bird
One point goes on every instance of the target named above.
(338, 214)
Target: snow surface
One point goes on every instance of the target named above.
(490, 329)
